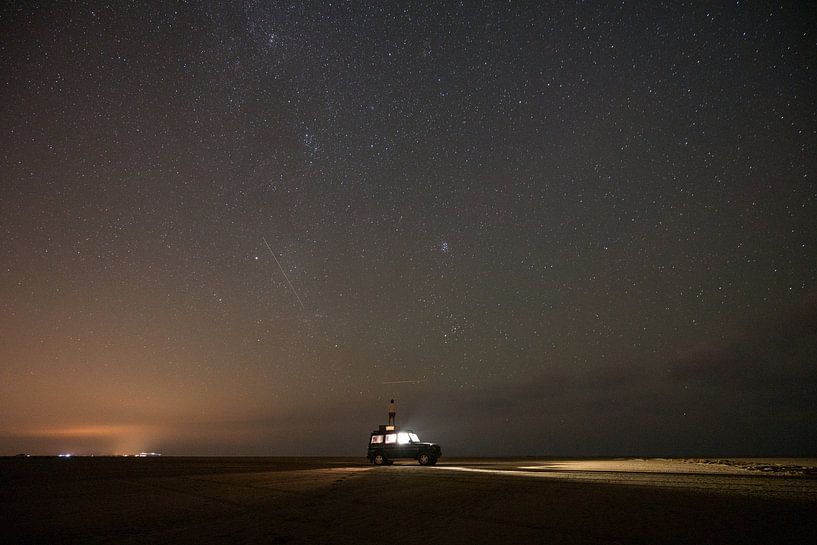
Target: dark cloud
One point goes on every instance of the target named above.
(778, 352)
(752, 393)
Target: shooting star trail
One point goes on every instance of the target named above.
(402, 382)
(282, 272)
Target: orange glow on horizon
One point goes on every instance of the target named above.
(94, 431)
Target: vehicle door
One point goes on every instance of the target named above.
(408, 449)
(390, 446)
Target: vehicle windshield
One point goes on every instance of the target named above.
(414, 438)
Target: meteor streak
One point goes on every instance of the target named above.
(282, 272)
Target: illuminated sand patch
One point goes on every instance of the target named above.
(657, 465)
(659, 473)
(736, 466)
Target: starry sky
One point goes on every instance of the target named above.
(544, 228)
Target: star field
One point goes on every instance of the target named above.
(583, 228)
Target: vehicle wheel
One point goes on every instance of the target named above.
(378, 459)
(432, 461)
(389, 462)
(424, 459)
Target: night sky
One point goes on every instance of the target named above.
(544, 228)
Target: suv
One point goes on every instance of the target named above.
(386, 445)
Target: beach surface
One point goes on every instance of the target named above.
(346, 500)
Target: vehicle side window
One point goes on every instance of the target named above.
(377, 439)
(391, 438)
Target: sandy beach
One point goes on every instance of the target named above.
(345, 500)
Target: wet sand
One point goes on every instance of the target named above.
(345, 500)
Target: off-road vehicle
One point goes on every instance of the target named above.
(387, 445)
